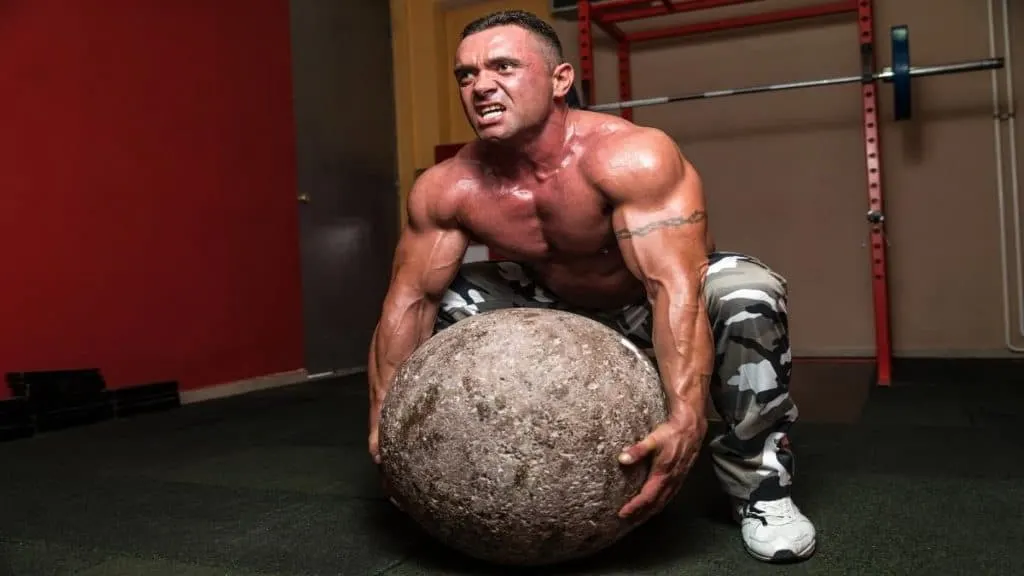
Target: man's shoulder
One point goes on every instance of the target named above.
(440, 189)
(446, 177)
(625, 149)
(626, 161)
(621, 138)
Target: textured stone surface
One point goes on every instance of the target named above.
(500, 434)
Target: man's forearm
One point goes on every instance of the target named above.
(382, 372)
(404, 325)
(683, 346)
(373, 367)
(402, 329)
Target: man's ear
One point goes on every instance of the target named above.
(564, 75)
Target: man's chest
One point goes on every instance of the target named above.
(540, 218)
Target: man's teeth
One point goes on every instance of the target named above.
(492, 111)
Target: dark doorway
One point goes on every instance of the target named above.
(347, 173)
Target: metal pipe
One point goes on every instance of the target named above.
(618, 5)
(586, 44)
(885, 75)
(1011, 112)
(873, 171)
(776, 17)
(654, 11)
(611, 29)
(1000, 184)
(625, 77)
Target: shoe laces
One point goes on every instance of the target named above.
(774, 512)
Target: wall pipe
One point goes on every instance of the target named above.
(997, 125)
(1011, 110)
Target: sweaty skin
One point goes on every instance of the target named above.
(600, 211)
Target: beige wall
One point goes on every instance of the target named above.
(420, 106)
(785, 171)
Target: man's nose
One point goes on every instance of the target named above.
(484, 85)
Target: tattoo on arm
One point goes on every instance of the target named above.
(675, 222)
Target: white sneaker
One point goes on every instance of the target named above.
(775, 530)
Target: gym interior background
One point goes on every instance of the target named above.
(208, 194)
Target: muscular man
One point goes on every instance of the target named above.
(607, 219)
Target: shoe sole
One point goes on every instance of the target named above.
(784, 556)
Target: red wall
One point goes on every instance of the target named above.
(147, 190)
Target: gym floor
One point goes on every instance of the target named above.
(922, 478)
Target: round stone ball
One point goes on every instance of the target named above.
(500, 435)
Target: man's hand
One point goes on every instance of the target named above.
(673, 447)
(375, 405)
(377, 393)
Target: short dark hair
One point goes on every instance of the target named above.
(523, 19)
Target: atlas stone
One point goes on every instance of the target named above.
(500, 435)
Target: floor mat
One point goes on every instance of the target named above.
(918, 479)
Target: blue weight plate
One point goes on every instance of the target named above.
(901, 72)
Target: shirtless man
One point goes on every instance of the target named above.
(607, 219)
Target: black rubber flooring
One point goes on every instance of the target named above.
(928, 479)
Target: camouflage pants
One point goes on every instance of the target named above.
(746, 302)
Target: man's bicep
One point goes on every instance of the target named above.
(660, 218)
(683, 221)
(428, 259)
(432, 246)
(662, 245)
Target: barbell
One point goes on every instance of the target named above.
(898, 75)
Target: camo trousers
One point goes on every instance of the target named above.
(746, 303)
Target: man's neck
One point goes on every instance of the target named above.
(539, 154)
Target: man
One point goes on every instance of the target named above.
(607, 219)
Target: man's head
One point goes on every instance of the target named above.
(511, 73)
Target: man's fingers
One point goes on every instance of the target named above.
(638, 451)
(664, 498)
(652, 499)
(647, 496)
(374, 447)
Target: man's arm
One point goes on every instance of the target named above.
(660, 221)
(429, 253)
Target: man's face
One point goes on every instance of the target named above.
(505, 81)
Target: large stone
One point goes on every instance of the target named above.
(500, 434)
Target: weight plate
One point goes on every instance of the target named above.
(901, 72)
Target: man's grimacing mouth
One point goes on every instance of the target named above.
(490, 111)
